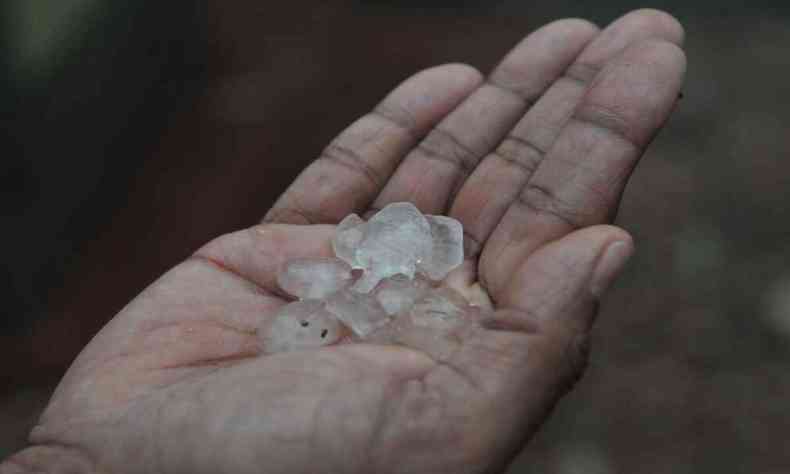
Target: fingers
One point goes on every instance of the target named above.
(256, 254)
(555, 291)
(580, 181)
(354, 167)
(434, 170)
(551, 301)
(496, 183)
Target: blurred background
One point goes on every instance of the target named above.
(140, 130)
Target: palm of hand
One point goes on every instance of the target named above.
(176, 382)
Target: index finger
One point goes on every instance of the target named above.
(352, 170)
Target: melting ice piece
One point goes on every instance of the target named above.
(442, 308)
(360, 312)
(398, 293)
(431, 325)
(300, 325)
(448, 247)
(395, 240)
(313, 278)
(347, 238)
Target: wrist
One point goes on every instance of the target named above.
(47, 459)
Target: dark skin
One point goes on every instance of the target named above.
(532, 159)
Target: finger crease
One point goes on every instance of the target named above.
(228, 270)
(541, 200)
(607, 121)
(403, 121)
(520, 152)
(290, 215)
(473, 244)
(459, 155)
(581, 73)
(527, 99)
(351, 160)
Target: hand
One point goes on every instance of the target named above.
(532, 160)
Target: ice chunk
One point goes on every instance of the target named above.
(386, 334)
(398, 293)
(401, 254)
(347, 238)
(448, 247)
(442, 308)
(312, 278)
(434, 325)
(300, 325)
(395, 240)
(360, 312)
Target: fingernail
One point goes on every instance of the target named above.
(609, 265)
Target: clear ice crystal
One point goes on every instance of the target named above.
(395, 240)
(314, 278)
(440, 309)
(348, 235)
(430, 324)
(401, 254)
(300, 325)
(398, 293)
(448, 247)
(360, 312)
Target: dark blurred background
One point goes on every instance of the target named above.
(139, 130)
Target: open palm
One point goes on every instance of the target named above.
(531, 160)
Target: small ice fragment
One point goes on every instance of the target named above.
(448, 247)
(313, 278)
(398, 293)
(360, 312)
(300, 325)
(442, 308)
(395, 240)
(435, 325)
(386, 334)
(367, 281)
(348, 236)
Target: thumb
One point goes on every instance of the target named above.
(551, 302)
(534, 344)
(560, 284)
(553, 298)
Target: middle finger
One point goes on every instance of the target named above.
(435, 169)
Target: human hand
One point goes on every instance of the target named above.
(531, 160)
